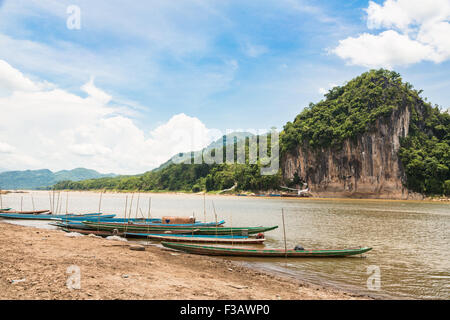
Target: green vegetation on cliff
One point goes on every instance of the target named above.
(425, 152)
(348, 111)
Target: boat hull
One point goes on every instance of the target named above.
(206, 239)
(267, 253)
(151, 228)
(45, 216)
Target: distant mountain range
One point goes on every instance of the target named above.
(39, 179)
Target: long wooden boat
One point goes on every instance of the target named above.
(151, 228)
(103, 233)
(251, 252)
(206, 239)
(42, 216)
(77, 222)
(30, 212)
(5, 209)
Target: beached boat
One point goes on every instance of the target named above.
(103, 233)
(251, 252)
(5, 209)
(193, 228)
(205, 239)
(30, 212)
(44, 216)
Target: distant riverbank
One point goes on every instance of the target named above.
(243, 194)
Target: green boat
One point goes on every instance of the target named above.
(267, 253)
(149, 228)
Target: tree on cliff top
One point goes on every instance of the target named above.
(348, 111)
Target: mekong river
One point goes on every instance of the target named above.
(410, 239)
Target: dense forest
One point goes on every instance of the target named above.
(346, 112)
(192, 177)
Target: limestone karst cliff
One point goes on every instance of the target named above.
(367, 166)
(350, 144)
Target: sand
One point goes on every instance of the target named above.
(34, 265)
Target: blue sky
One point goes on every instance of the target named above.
(229, 64)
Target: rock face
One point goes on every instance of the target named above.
(365, 167)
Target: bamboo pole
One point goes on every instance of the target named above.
(137, 204)
(204, 207)
(67, 202)
(126, 206)
(50, 201)
(215, 215)
(100, 202)
(58, 207)
(284, 232)
(149, 208)
(53, 201)
(231, 222)
(129, 215)
(32, 201)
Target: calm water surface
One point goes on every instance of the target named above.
(410, 240)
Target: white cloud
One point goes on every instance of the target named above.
(55, 129)
(12, 79)
(406, 14)
(6, 148)
(418, 32)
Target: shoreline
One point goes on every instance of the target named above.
(426, 199)
(110, 270)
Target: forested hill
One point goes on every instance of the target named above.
(35, 179)
(376, 130)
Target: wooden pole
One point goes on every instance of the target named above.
(126, 206)
(204, 207)
(231, 222)
(137, 205)
(50, 200)
(21, 203)
(149, 208)
(32, 201)
(53, 201)
(284, 232)
(67, 203)
(215, 215)
(100, 202)
(1, 200)
(58, 206)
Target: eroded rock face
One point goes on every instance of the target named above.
(366, 167)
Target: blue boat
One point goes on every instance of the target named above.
(48, 216)
(154, 224)
(77, 223)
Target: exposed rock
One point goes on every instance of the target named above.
(365, 167)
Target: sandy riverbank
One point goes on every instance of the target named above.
(110, 270)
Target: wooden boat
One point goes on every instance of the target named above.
(206, 239)
(251, 252)
(42, 216)
(196, 229)
(5, 209)
(111, 233)
(30, 212)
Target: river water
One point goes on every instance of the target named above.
(410, 239)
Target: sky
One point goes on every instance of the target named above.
(121, 88)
